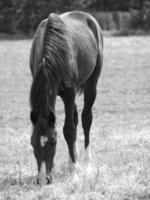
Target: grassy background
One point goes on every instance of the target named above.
(122, 23)
(113, 20)
(120, 138)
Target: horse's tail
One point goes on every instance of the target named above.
(95, 27)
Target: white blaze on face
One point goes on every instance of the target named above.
(43, 140)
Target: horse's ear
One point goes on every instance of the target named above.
(51, 119)
(33, 116)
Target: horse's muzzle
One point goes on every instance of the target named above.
(47, 180)
(44, 176)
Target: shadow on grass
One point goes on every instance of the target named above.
(15, 180)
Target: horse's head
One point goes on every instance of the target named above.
(43, 141)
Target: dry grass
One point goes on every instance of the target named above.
(120, 138)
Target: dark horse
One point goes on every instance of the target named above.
(66, 58)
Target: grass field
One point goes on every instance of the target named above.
(120, 135)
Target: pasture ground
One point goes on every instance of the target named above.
(120, 135)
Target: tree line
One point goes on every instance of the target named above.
(25, 15)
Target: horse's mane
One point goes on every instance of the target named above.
(54, 67)
(40, 90)
(56, 50)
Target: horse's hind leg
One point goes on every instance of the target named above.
(71, 121)
(89, 99)
(75, 116)
(75, 119)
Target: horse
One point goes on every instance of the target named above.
(65, 59)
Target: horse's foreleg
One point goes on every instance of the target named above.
(71, 121)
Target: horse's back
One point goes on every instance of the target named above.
(86, 40)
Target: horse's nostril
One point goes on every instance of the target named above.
(49, 180)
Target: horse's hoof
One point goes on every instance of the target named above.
(78, 167)
(87, 157)
(75, 167)
(75, 179)
(89, 169)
